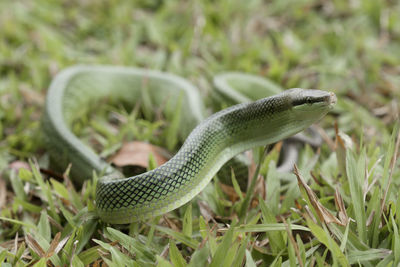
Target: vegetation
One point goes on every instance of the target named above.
(341, 209)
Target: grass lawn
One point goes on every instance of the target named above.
(342, 208)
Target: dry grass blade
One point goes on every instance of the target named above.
(15, 248)
(53, 245)
(55, 223)
(342, 214)
(309, 214)
(323, 214)
(326, 137)
(171, 224)
(10, 244)
(61, 244)
(31, 242)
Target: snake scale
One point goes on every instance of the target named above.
(206, 148)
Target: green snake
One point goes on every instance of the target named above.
(206, 149)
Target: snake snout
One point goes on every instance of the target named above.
(332, 99)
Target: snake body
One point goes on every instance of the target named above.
(207, 148)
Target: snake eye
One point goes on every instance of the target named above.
(307, 100)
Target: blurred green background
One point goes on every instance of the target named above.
(350, 47)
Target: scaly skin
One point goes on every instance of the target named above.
(208, 147)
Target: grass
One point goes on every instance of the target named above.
(350, 47)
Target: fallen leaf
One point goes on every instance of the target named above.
(137, 154)
(230, 192)
(323, 213)
(259, 190)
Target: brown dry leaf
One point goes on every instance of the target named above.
(342, 214)
(323, 214)
(137, 154)
(259, 190)
(230, 192)
(34, 245)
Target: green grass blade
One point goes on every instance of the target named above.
(187, 221)
(269, 227)
(249, 259)
(131, 244)
(179, 236)
(200, 257)
(172, 132)
(355, 173)
(370, 255)
(324, 237)
(161, 262)
(175, 256)
(44, 226)
(277, 241)
(222, 248)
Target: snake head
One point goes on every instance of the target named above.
(301, 98)
(309, 105)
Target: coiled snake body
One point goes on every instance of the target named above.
(207, 148)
